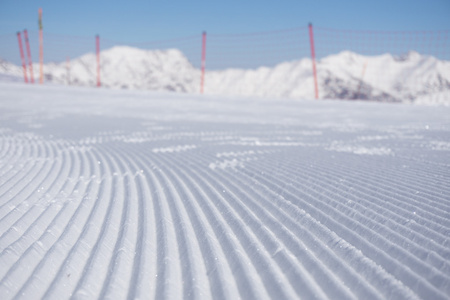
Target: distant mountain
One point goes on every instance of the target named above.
(10, 72)
(409, 78)
(347, 75)
(129, 68)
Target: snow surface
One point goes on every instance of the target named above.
(411, 78)
(144, 195)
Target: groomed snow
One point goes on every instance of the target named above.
(143, 195)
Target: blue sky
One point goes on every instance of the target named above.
(139, 20)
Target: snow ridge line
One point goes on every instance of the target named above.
(368, 200)
(324, 272)
(42, 217)
(188, 249)
(282, 247)
(383, 224)
(398, 205)
(13, 181)
(218, 258)
(120, 220)
(269, 267)
(136, 283)
(409, 180)
(342, 226)
(11, 213)
(99, 233)
(217, 273)
(410, 183)
(66, 276)
(53, 239)
(35, 212)
(121, 262)
(10, 156)
(248, 282)
(345, 254)
(63, 281)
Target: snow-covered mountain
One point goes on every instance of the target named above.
(347, 75)
(10, 72)
(409, 78)
(130, 68)
(121, 67)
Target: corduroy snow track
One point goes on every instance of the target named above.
(136, 195)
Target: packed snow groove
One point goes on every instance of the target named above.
(116, 194)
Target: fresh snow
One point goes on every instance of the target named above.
(409, 78)
(142, 195)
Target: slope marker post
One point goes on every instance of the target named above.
(22, 57)
(41, 49)
(313, 58)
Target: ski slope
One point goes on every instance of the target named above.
(143, 195)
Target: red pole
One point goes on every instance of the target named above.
(202, 81)
(97, 42)
(27, 43)
(19, 38)
(313, 57)
(41, 49)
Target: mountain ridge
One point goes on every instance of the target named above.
(411, 77)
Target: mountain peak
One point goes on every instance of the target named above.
(408, 56)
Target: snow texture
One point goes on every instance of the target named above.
(143, 195)
(410, 78)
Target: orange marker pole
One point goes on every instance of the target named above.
(41, 49)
